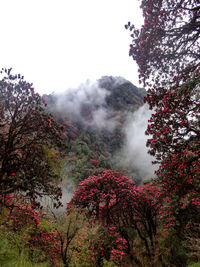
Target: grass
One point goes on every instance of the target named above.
(10, 256)
(197, 264)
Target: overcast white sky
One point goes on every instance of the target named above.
(57, 44)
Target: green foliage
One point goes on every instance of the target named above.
(125, 97)
(107, 263)
(88, 235)
(54, 161)
(197, 264)
(177, 253)
(13, 249)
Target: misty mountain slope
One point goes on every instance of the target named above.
(95, 117)
(124, 95)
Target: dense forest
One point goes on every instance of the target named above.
(76, 188)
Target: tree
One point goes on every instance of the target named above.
(175, 129)
(104, 196)
(166, 49)
(67, 229)
(27, 135)
(167, 45)
(55, 237)
(115, 201)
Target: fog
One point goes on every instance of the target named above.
(134, 152)
(87, 103)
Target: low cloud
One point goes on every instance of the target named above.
(134, 152)
(87, 103)
(88, 93)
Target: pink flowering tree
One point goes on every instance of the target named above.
(27, 132)
(147, 208)
(18, 220)
(175, 129)
(98, 245)
(44, 246)
(115, 201)
(167, 44)
(104, 197)
(166, 49)
(29, 231)
(19, 213)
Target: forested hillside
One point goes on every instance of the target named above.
(94, 117)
